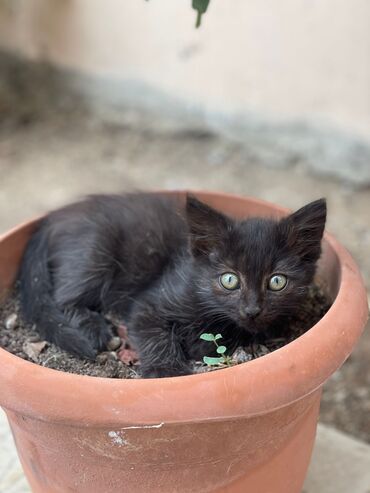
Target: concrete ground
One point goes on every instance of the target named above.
(48, 160)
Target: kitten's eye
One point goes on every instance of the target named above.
(229, 281)
(277, 282)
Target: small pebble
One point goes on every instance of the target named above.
(259, 350)
(112, 355)
(114, 343)
(34, 338)
(12, 321)
(33, 349)
(240, 355)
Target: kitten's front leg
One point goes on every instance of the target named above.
(159, 349)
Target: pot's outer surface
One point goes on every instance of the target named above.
(246, 428)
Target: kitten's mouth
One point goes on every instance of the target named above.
(251, 329)
(251, 325)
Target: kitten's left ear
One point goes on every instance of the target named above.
(304, 229)
(207, 226)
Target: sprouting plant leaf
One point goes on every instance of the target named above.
(201, 7)
(212, 361)
(221, 349)
(207, 337)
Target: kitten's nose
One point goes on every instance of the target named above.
(252, 311)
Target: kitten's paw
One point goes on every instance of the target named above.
(93, 330)
(163, 372)
(86, 351)
(77, 343)
(90, 344)
(105, 336)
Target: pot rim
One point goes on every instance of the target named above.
(256, 387)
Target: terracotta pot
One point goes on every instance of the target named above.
(249, 428)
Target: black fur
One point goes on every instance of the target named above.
(157, 265)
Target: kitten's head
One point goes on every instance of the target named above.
(254, 271)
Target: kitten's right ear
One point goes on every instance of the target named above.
(207, 226)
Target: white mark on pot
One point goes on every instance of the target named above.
(117, 438)
(159, 425)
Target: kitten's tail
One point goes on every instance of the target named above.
(37, 303)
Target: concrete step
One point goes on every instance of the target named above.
(340, 464)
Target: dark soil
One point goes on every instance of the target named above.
(121, 362)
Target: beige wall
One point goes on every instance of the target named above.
(289, 59)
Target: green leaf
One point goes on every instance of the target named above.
(221, 349)
(218, 336)
(208, 337)
(212, 361)
(201, 7)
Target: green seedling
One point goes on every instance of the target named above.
(221, 350)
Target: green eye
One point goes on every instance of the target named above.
(277, 282)
(229, 281)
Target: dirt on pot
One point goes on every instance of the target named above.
(120, 361)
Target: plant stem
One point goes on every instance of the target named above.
(199, 19)
(217, 345)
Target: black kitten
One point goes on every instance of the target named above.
(171, 272)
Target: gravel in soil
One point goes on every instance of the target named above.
(120, 361)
